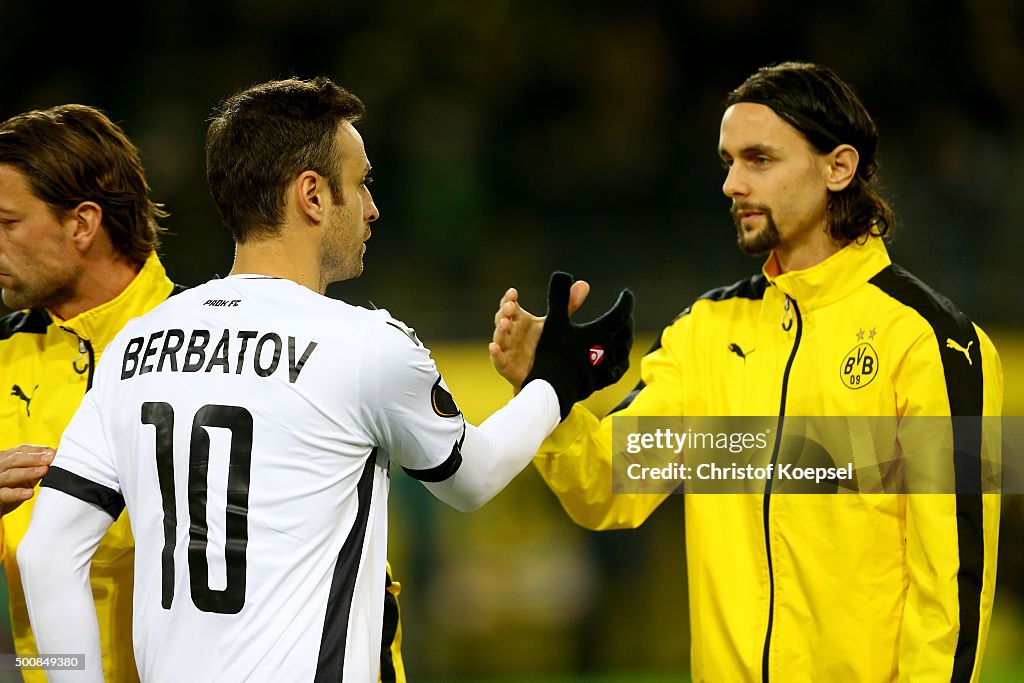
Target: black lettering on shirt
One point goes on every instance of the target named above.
(197, 351)
(269, 337)
(150, 351)
(220, 354)
(245, 336)
(295, 368)
(168, 351)
(147, 354)
(131, 354)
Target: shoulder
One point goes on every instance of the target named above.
(394, 345)
(376, 326)
(934, 311)
(947, 339)
(714, 302)
(177, 289)
(751, 288)
(388, 334)
(395, 365)
(748, 290)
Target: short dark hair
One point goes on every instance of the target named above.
(263, 137)
(827, 112)
(72, 154)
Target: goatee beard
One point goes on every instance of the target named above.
(761, 241)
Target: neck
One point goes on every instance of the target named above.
(806, 253)
(101, 281)
(272, 256)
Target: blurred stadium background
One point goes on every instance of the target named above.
(512, 138)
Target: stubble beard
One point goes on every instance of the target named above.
(341, 260)
(27, 296)
(13, 300)
(756, 242)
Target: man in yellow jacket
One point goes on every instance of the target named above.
(809, 587)
(78, 234)
(78, 239)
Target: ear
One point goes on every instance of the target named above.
(842, 167)
(311, 193)
(84, 223)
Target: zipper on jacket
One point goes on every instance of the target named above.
(84, 348)
(787, 324)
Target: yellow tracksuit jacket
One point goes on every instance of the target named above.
(811, 587)
(46, 366)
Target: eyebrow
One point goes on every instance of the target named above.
(751, 150)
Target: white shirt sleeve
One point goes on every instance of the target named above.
(496, 451)
(422, 429)
(54, 559)
(413, 415)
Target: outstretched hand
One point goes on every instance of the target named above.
(575, 359)
(517, 331)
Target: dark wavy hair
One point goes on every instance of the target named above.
(72, 154)
(827, 112)
(260, 139)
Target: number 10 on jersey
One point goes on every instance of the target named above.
(239, 422)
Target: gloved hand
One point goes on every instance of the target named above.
(577, 360)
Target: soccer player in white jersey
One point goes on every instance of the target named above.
(250, 426)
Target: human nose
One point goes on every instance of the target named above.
(735, 185)
(372, 213)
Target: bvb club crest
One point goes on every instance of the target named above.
(859, 367)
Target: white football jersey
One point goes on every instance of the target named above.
(249, 425)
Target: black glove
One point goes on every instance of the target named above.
(577, 360)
